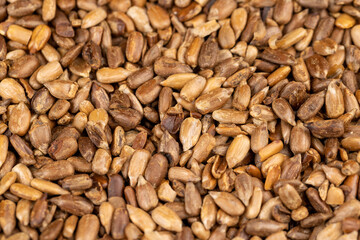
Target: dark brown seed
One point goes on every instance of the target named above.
(22, 8)
(263, 228)
(156, 169)
(115, 56)
(165, 67)
(315, 201)
(208, 53)
(71, 55)
(119, 223)
(76, 205)
(63, 148)
(24, 66)
(318, 66)
(277, 56)
(55, 170)
(116, 186)
(39, 211)
(91, 53)
(62, 25)
(3, 48)
(326, 128)
(127, 118)
(52, 230)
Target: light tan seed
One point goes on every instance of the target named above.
(193, 88)
(7, 216)
(11, 89)
(69, 226)
(93, 18)
(206, 29)
(23, 209)
(238, 21)
(230, 116)
(190, 132)
(177, 81)
(138, 163)
(334, 101)
(182, 174)
(112, 75)
(335, 196)
(49, 72)
(141, 219)
(228, 203)
(167, 218)
(299, 214)
(106, 211)
(355, 33)
(158, 16)
(199, 230)
(48, 10)
(145, 194)
(165, 192)
(24, 174)
(331, 232)
(254, 207)
(140, 18)
(237, 150)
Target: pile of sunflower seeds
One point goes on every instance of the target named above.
(179, 119)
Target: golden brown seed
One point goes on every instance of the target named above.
(83, 231)
(47, 187)
(48, 10)
(345, 21)
(19, 121)
(40, 35)
(106, 211)
(134, 47)
(7, 181)
(138, 163)
(7, 216)
(291, 38)
(226, 35)
(177, 81)
(199, 230)
(238, 20)
(25, 192)
(19, 34)
(23, 209)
